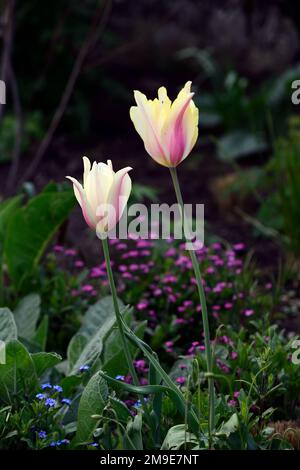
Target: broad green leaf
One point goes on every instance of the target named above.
(97, 315)
(229, 427)
(44, 360)
(31, 228)
(7, 208)
(27, 314)
(93, 347)
(17, 376)
(177, 437)
(75, 348)
(113, 343)
(8, 328)
(40, 336)
(93, 400)
(89, 354)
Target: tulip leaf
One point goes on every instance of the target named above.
(31, 228)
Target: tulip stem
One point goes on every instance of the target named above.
(197, 271)
(117, 312)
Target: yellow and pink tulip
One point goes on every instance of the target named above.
(169, 130)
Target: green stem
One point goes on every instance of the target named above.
(117, 311)
(197, 271)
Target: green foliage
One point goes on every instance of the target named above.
(26, 316)
(92, 402)
(8, 328)
(281, 209)
(30, 229)
(18, 377)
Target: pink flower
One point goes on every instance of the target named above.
(87, 288)
(228, 305)
(142, 305)
(79, 264)
(248, 312)
(58, 249)
(239, 246)
(180, 380)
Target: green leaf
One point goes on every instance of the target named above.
(177, 436)
(17, 376)
(31, 228)
(97, 315)
(133, 437)
(7, 208)
(44, 360)
(239, 144)
(176, 393)
(89, 354)
(40, 337)
(8, 328)
(229, 427)
(92, 402)
(27, 314)
(93, 348)
(75, 348)
(116, 363)
(120, 408)
(147, 390)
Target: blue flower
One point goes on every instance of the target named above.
(65, 442)
(94, 444)
(53, 444)
(120, 377)
(40, 396)
(57, 388)
(84, 368)
(50, 402)
(46, 385)
(137, 404)
(66, 401)
(42, 434)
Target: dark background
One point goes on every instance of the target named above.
(71, 66)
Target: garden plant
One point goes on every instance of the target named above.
(116, 333)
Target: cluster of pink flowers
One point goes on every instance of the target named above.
(163, 290)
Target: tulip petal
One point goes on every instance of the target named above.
(175, 131)
(118, 196)
(143, 118)
(87, 169)
(83, 202)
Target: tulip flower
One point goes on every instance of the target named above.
(103, 195)
(169, 130)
